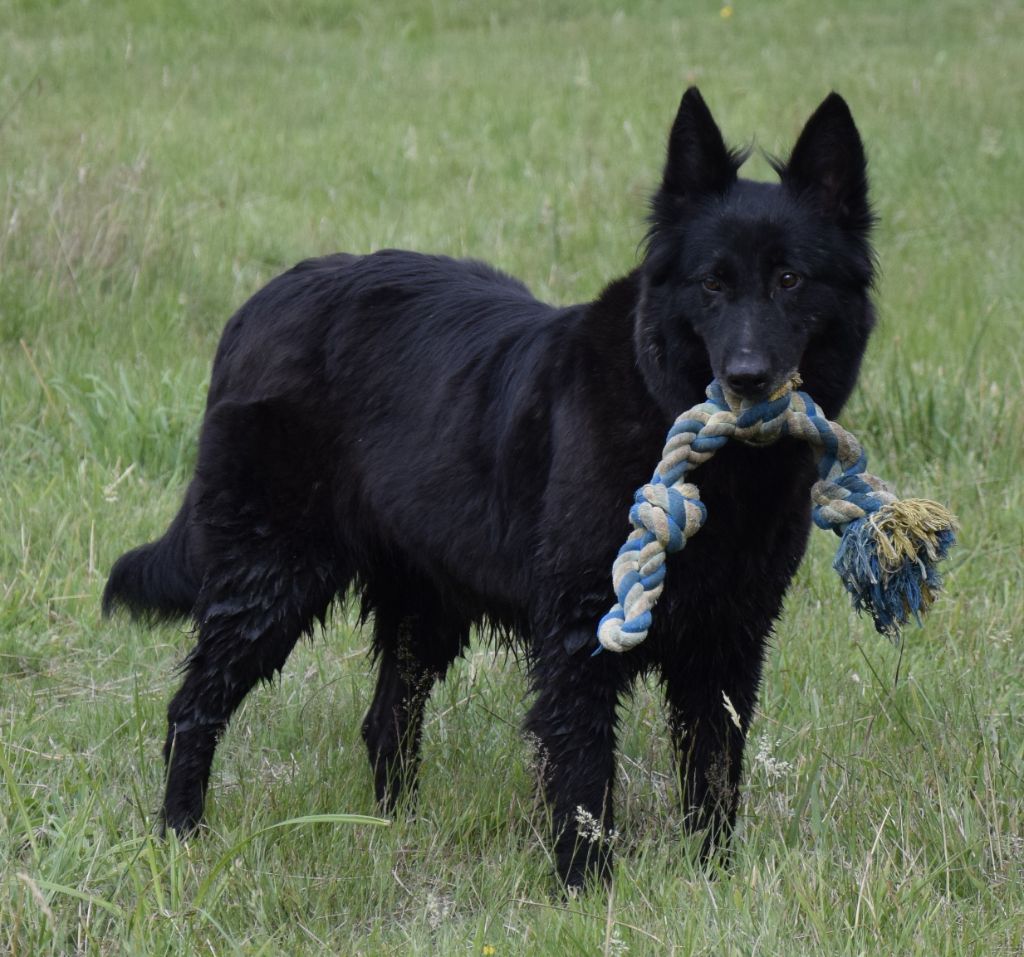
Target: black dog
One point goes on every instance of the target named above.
(423, 430)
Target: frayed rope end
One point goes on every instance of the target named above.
(887, 561)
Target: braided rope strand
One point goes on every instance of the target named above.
(888, 550)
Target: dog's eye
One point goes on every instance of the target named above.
(711, 284)
(789, 280)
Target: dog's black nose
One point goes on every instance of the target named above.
(748, 377)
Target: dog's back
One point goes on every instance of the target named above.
(394, 379)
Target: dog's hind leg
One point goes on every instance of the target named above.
(270, 574)
(245, 636)
(414, 650)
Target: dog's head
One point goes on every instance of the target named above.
(749, 281)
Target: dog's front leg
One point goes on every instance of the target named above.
(573, 724)
(711, 703)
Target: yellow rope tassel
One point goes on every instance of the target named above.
(903, 527)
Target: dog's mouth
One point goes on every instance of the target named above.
(768, 392)
(750, 375)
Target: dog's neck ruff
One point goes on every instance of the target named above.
(888, 550)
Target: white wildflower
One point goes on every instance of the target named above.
(589, 828)
(774, 768)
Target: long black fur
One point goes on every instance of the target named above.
(425, 431)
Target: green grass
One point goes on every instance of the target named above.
(160, 162)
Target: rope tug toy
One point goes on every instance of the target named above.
(888, 547)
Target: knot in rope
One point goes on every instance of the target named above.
(888, 549)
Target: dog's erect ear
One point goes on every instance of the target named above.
(828, 165)
(698, 160)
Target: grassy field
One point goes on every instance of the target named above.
(161, 161)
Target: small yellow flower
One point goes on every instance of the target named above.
(488, 951)
(725, 12)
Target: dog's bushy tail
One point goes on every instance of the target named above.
(157, 580)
